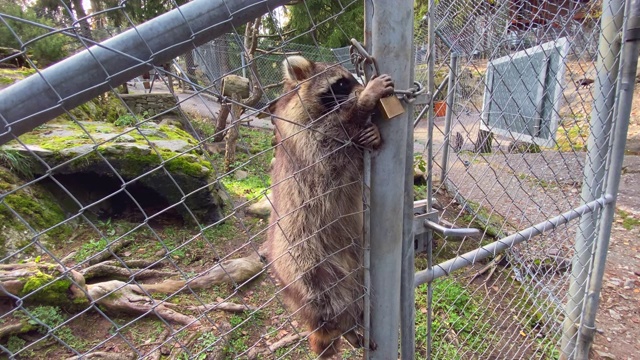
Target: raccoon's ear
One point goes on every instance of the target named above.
(297, 68)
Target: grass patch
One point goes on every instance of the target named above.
(43, 318)
(91, 248)
(628, 221)
(455, 311)
(256, 164)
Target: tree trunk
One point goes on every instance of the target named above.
(483, 144)
(85, 27)
(232, 135)
(221, 123)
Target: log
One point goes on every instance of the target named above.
(234, 84)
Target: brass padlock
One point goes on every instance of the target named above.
(390, 107)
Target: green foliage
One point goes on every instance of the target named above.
(51, 317)
(16, 162)
(454, 309)
(125, 120)
(91, 248)
(573, 138)
(14, 344)
(419, 162)
(44, 51)
(329, 32)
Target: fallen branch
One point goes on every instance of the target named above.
(122, 298)
(112, 271)
(271, 349)
(234, 271)
(157, 353)
(103, 355)
(52, 284)
(224, 306)
(14, 329)
(270, 86)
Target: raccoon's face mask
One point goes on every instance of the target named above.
(323, 88)
(339, 91)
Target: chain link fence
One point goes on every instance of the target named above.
(127, 231)
(508, 148)
(140, 180)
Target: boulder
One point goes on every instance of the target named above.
(159, 168)
(261, 209)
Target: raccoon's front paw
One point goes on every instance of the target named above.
(369, 137)
(376, 88)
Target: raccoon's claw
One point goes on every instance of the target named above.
(369, 137)
(378, 87)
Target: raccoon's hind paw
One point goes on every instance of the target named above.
(357, 341)
(369, 137)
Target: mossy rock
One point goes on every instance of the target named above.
(165, 162)
(33, 205)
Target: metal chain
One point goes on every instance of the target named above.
(360, 57)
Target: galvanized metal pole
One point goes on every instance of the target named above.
(629, 64)
(451, 95)
(389, 38)
(65, 85)
(407, 290)
(594, 168)
(430, 116)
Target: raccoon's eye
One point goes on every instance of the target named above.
(342, 87)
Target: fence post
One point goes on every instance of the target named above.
(389, 38)
(594, 167)
(407, 289)
(629, 64)
(451, 93)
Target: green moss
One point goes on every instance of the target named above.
(490, 222)
(138, 161)
(573, 138)
(39, 210)
(35, 206)
(177, 133)
(45, 290)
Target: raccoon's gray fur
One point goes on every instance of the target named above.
(315, 234)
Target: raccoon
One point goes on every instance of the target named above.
(322, 123)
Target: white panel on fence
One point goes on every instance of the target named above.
(523, 92)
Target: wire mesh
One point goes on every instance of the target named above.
(129, 230)
(134, 225)
(513, 304)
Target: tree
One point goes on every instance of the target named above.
(328, 32)
(57, 9)
(46, 50)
